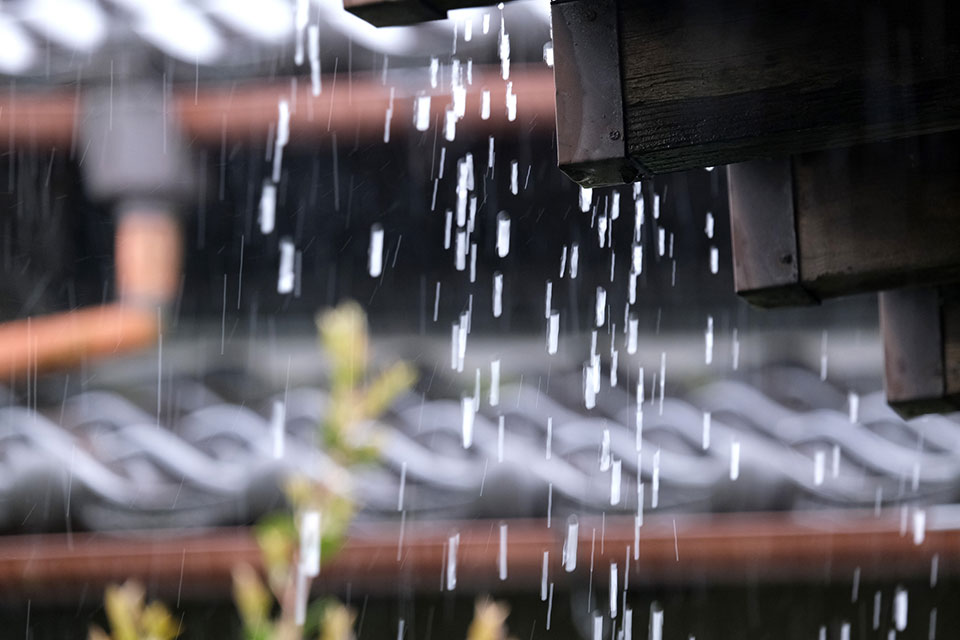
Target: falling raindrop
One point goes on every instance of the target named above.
(450, 125)
(900, 608)
(600, 311)
(586, 197)
(615, 483)
(468, 413)
(268, 207)
(504, 51)
(553, 333)
(570, 544)
(301, 593)
(421, 113)
(283, 136)
(310, 544)
(549, 453)
(632, 326)
(502, 555)
(375, 257)
(388, 119)
(818, 464)
(708, 341)
(543, 576)
(313, 51)
(734, 460)
(277, 427)
(452, 545)
(503, 234)
(500, 430)
(511, 99)
(636, 262)
(494, 383)
(876, 610)
(403, 485)
(655, 481)
(823, 355)
(656, 621)
(460, 249)
(613, 590)
(473, 262)
(705, 440)
(285, 280)
(853, 402)
(919, 526)
(605, 450)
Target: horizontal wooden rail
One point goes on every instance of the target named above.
(725, 549)
(247, 111)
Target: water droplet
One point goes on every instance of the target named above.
(586, 197)
(452, 545)
(421, 113)
(503, 234)
(268, 207)
(900, 609)
(285, 280)
(570, 544)
(310, 544)
(734, 460)
(467, 413)
(375, 256)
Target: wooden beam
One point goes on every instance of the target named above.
(763, 233)
(591, 139)
(44, 118)
(869, 218)
(726, 548)
(921, 342)
(708, 82)
(393, 13)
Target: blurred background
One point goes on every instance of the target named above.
(185, 185)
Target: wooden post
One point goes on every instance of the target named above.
(921, 343)
(712, 82)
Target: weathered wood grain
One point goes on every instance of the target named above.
(920, 328)
(868, 218)
(711, 82)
